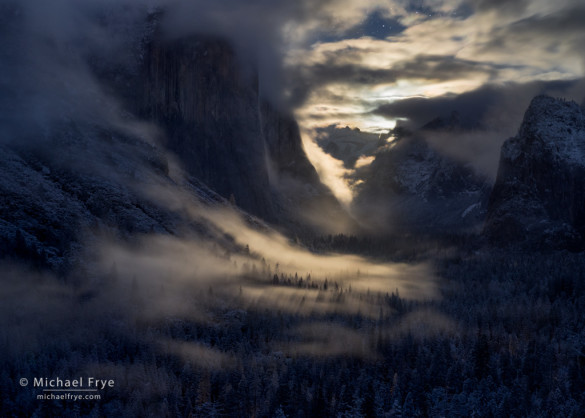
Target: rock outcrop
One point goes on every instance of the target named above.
(538, 199)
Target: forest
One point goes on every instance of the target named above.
(505, 337)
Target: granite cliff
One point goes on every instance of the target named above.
(225, 133)
(538, 199)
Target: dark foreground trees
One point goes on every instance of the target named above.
(507, 338)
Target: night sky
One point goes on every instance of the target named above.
(402, 52)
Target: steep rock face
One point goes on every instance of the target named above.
(539, 195)
(412, 187)
(211, 118)
(205, 99)
(223, 132)
(285, 148)
(302, 197)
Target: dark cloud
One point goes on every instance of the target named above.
(473, 106)
(542, 32)
(376, 25)
(501, 6)
(420, 110)
(441, 68)
(336, 69)
(565, 22)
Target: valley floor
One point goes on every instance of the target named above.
(506, 337)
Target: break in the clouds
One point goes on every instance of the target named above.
(435, 49)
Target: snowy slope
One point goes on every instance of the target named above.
(59, 195)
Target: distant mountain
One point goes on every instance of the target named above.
(347, 144)
(412, 187)
(538, 199)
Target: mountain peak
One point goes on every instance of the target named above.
(558, 126)
(538, 196)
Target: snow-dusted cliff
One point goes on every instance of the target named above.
(539, 195)
(84, 182)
